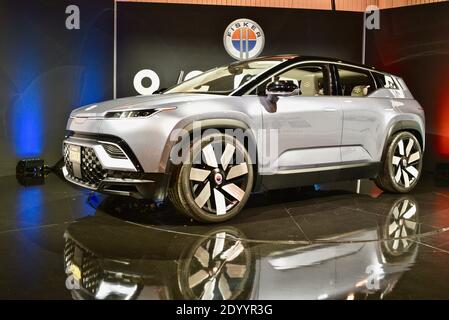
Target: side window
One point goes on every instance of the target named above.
(311, 80)
(385, 81)
(355, 82)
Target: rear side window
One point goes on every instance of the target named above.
(385, 81)
(355, 82)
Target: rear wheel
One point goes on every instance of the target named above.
(217, 181)
(401, 164)
(400, 228)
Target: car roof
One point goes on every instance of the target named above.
(297, 58)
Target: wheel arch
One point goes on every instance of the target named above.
(220, 124)
(405, 125)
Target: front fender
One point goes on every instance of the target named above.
(190, 125)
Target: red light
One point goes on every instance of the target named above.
(442, 132)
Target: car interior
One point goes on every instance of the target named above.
(355, 83)
(310, 80)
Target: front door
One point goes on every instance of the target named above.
(308, 125)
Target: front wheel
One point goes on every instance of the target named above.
(401, 164)
(217, 181)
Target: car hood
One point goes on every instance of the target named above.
(139, 103)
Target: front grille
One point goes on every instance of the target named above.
(69, 252)
(91, 169)
(92, 172)
(68, 164)
(91, 271)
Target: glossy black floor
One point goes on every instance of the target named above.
(60, 242)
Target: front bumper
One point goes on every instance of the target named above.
(105, 167)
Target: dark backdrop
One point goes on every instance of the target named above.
(169, 38)
(47, 70)
(413, 42)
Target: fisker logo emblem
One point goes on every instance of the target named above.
(244, 39)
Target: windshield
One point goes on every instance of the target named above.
(224, 80)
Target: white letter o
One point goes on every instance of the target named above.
(142, 74)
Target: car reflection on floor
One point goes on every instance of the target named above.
(114, 258)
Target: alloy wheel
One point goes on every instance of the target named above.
(219, 181)
(406, 162)
(402, 223)
(218, 269)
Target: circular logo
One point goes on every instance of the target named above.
(218, 178)
(244, 39)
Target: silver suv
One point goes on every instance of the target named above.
(268, 123)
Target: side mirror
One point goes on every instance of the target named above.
(282, 88)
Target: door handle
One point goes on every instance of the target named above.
(330, 109)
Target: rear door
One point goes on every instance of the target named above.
(363, 116)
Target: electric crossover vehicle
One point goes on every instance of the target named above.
(268, 123)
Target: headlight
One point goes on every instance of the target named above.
(136, 113)
(130, 114)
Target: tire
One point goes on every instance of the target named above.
(208, 190)
(401, 164)
(206, 270)
(399, 229)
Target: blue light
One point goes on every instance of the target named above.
(91, 85)
(26, 116)
(29, 202)
(93, 201)
(27, 123)
(34, 71)
(93, 76)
